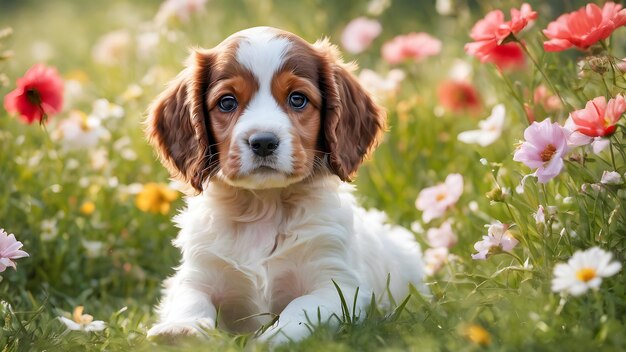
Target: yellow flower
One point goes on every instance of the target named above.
(477, 334)
(87, 208)
(77, 75)
(83, 322)
(155, 198)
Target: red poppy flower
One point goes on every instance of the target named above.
(39, 94)
(507, 56)
(458, 96)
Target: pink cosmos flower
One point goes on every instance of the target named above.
(498, 238)
(584, 27)
(546, 99)
(521, 18)
(359, 34)
(39, 94)
(9, 250)
(490, 33)
(442, 236)
(414, 46)
(599, 118)
(434, 201)
(544, 148)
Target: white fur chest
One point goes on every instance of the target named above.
(252, 252)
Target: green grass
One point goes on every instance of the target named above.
(120, 284)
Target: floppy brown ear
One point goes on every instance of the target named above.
(352, 122)
(176, 125)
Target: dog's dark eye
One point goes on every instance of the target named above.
(227, 103)
(297, 101)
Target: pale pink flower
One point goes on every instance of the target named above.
(414, 46)
(112, 48)
(359, 34)
(546, 99)
(497, 239)
(9, 250)
(434, 201)
(442, 236)
(435, 259)
(584, 270)
(544, 149)
(178, 9)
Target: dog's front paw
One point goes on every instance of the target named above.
(282, 334)
(171, 332)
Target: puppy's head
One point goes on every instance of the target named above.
(263, 109)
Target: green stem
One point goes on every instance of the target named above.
(519, 260)
(515, 95)
(545, 77)
(610, 57)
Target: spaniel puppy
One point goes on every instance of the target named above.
(266, 128)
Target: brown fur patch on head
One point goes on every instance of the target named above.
(352, 122)
(176, 123)
(229, 77)
(299, 73)
(190, 134)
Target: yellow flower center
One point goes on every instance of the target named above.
(440, 197)
(547, 153)
(81, 318)
(586, 274)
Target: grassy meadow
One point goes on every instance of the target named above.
(92, 207)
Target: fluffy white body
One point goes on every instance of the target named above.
(266, 236)
(280, 255)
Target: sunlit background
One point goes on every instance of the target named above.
(91, 205)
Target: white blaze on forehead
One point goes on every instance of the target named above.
(261, 51)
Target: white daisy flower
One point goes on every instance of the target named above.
(584, 270)
(79, 131)
(489, 130)
(540, 217)
(611, 178)
(82, 322)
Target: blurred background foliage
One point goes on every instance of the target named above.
(113, 260)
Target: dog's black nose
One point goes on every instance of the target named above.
(263, 143)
